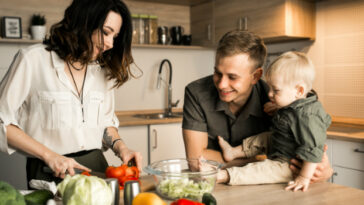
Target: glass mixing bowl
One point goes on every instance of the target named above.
(184, 178)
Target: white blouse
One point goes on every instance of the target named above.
(37, 96)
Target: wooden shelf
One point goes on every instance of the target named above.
(30, 41)
(168, 46)
(176, 2)
(18, 41)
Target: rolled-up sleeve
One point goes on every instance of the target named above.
(14, 89)
(312, 135)
(193, 116)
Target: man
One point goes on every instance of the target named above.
(232, 103)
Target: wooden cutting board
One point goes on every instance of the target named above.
(146, 184)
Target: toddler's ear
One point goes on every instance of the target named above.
(301, 90)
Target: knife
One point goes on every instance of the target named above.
(48, 170)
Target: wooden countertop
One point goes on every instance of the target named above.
(128, 118)
(347, 129)
(318, 193)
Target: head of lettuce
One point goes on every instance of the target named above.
(81, 189)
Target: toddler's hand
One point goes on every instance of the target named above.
(299, 183)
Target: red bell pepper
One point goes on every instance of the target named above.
(186, 202)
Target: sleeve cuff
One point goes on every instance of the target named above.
(114, 122)
(310, 154)
(3, 140)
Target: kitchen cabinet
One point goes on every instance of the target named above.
(202, 24)
(166, 142)
(136, 138)
(274, 20)
(347, 160)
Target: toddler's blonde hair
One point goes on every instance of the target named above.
(294, 67)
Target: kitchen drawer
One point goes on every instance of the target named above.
(348, 177)
(348, 154)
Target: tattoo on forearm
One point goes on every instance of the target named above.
(107, 138)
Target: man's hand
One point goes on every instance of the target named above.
(323, 170)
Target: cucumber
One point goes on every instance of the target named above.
(208, 199)
(38, 197)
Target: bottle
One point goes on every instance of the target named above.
(144, 29)
(153, 29)
(135, 22)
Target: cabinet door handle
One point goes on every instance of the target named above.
(240, 23)
(245, 21)
(358, 150)
(209, 32)
(155, 139)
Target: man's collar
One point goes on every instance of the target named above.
(251, 107)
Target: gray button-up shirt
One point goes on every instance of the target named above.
(204, 111)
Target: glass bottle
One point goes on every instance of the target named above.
(153, 29)
(144, 29)
(135, 21)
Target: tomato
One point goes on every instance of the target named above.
(114, 172)
(86, 173)
(123, 173)
(132, 171)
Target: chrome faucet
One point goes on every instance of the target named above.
(170, 103)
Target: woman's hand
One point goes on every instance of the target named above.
(126, 154)
(323, 170)
(62, 165)
(299, 183)
(270, 108)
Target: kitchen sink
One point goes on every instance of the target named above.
(159, 115)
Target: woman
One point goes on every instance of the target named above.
(57, 99)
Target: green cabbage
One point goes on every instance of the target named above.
(81, 189)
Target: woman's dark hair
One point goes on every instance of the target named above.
(71, 37)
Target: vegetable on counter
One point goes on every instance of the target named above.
(38, 197)
(186, 202)
(147, 198)
(123, 173)
(208, 199)
(184, 188)
(81, 189)
(9, 195)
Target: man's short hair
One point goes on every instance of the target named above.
(239, 42)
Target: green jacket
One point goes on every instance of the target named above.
(300, 130)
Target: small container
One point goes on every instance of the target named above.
(143, 29)
(163, 37)
(131, 189)
(153, 29)
(135, 21)
(114, 185)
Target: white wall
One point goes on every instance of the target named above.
(142, 93)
